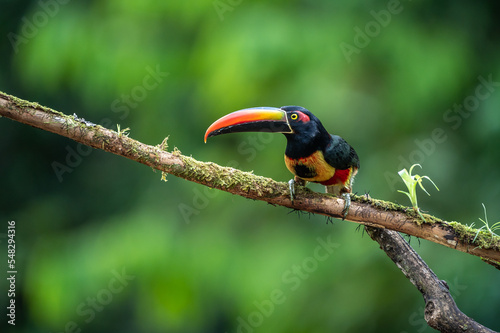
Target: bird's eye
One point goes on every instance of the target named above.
(294, 116)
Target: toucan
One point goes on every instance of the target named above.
(311, 154)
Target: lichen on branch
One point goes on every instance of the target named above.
(364, 210)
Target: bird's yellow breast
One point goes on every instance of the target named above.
(312, 168)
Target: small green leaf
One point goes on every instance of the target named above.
(486, 225)
(411, 182)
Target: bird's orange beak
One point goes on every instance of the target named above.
(261, 119)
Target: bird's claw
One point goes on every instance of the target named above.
(347, 204)
(291, 186)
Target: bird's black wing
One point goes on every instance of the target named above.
(340, 155)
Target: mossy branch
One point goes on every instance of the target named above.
(364, 210)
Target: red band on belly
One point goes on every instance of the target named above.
(340, 177)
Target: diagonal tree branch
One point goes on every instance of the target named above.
(364, 210)
(441, 311)
(377, 215)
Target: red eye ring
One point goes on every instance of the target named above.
(302, 117)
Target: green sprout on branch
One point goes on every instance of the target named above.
(121, 132)
(411, 182)
(486, 225)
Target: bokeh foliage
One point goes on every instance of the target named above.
(199, 260)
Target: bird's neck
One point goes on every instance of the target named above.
(299, 146)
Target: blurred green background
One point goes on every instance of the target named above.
(104, 245)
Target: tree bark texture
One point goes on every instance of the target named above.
(441, 311)
(383, 219)
(364, 210)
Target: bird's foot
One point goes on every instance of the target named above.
(347, 199)
(291, 186)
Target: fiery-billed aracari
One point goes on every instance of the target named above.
(312, 154)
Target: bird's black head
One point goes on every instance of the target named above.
(308, 133)
(302, 121)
